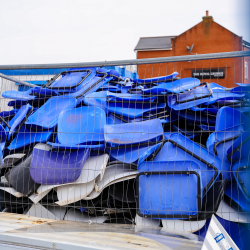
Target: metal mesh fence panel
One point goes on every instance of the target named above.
(152, 144)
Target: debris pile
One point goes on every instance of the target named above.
(96, 147)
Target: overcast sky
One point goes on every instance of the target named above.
(60, 31)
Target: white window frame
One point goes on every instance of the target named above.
(246, 70)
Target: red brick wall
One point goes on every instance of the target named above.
(207, 37)
(246, 59)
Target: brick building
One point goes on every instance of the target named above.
(205, 37)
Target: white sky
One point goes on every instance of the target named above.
(60, 31)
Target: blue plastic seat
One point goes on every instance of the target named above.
(53, 168)
(174, 87)
(19, 118)
(133, 153)
(228, 117)
(200, 118)
(241, 172)
(190, 98)
(169, 189)
(133, 142)
(72, 79)
(180, 147)
(220, 94)
(89, 87)
(13, 126)
(132, 133)
(233, 191)
(46, 117)
(125, 97)
(240, 149)
(30, 94)
(156, 79)
(219, 142)
(81, 125)
(26, 138)
(13, 94)
(242, 89)
(130, 110)
(3, 137)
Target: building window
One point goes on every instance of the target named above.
(246, 70)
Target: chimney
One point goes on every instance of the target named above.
(207, 17)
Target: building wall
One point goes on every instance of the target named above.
(207, 37)
(246, 59)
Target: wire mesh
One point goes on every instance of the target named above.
(154, 145)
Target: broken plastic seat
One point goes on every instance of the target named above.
(229, 117)
(222, 95)
(110, 87)
(230, 213)
(50, 168)
(164, 115)
(133, 142)
(181, 196)
(240, 149)
(3, 137)
(71, 80)
(12, 127)
(131, 110)
(46, 117)
(8, 115)
(88, 84)
(114, 173)
(71, 146)
(197, 117)
(19, 177)
(81, 128)
(93, 85)
(242, 89)
(18, 120)
(68, 194)
(205, 109)
(223, 135)
(156, 79)
(182, 225)
(190, 98)
(241, 171)
(177, 86)
(211, 201)
(30, 94)
(180, 146)
(237, 198)
(93, 167)
(10, 160)
(127, 98)
(219, 142)
(81, 125)
(27, 138)
(133, 153)
(132, 133)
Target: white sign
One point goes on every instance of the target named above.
(217, 238)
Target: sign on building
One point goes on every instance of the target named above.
(209, 74)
